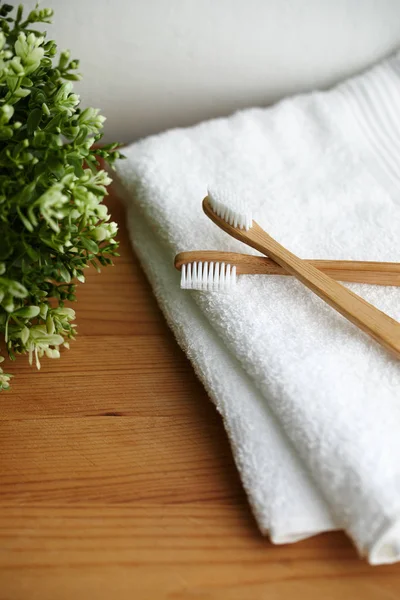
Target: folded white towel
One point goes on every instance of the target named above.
(312, 395)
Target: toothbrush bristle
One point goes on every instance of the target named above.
(230, 207)
(209, 277)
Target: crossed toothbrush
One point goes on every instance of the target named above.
(213, 271)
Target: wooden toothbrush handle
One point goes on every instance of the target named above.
(371, 320)
(378, 325)
(378, 273)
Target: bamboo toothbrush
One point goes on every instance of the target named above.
(233, 216)
(217, 270)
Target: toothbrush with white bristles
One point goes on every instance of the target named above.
(234, 263)
(229, 212)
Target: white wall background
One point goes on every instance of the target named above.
(154, 64)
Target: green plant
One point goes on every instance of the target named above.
(52, 220)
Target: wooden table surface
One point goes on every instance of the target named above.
(117, 481)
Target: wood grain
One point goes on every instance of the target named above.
(116, 477)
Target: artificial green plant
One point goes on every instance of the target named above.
(53, 223)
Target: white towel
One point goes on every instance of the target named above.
(311, 404)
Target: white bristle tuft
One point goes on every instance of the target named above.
(208, 277)
(230, 207)
(183, 277)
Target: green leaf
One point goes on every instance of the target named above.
(24, 334)
(50, 327)
(5, 9)
(82, 135)
(24, 220)
(72, 76)
(75, 160)
(89, 245)
(20, 11)
(27, 312)
(34, 120)
(64, 274)
(6, 133)
(44, 308)
(12, 83)
(50, 339)
(8, 303)
(56, 166)
(14, 288)
(54, 122)
(31, 252)
(22, 92)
